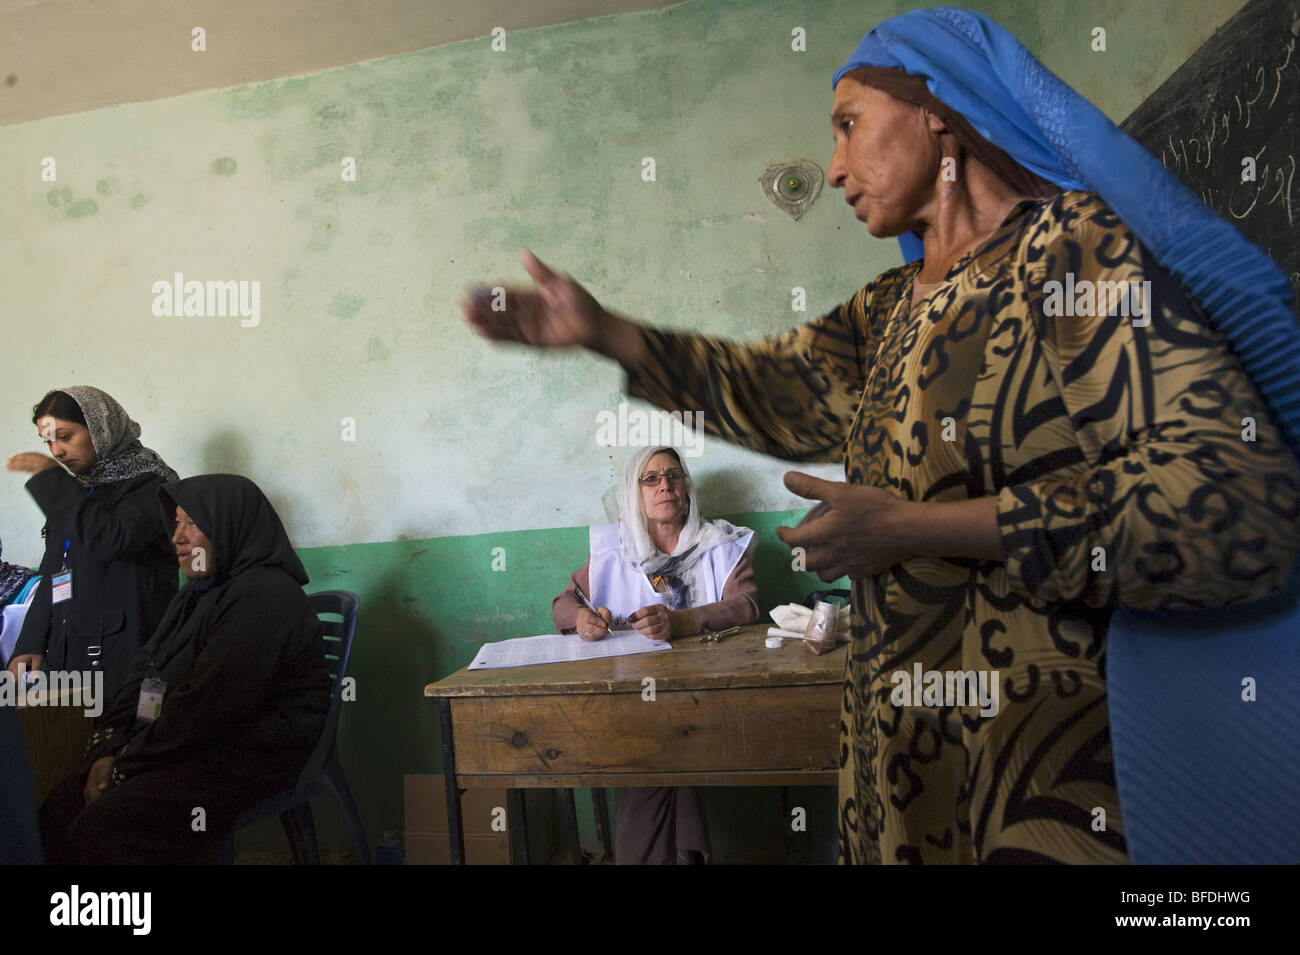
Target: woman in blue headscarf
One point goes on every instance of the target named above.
(1075, 396)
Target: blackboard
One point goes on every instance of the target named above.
(1237, 96)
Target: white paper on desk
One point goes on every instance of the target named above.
(561, 648)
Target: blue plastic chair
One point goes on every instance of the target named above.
(323, 774)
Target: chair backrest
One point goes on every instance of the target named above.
(338, 636)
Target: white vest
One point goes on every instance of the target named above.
(616, 585)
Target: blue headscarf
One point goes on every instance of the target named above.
(983, 72)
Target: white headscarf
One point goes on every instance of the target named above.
(682, 567)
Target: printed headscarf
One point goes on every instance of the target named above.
(981, 71)
(12, 579)
(119, 455)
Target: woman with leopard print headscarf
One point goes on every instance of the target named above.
(108, 571)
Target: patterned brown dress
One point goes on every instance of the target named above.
(1124, 473)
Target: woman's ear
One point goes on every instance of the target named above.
(934, 122)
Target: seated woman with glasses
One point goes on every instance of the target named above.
(667, 573)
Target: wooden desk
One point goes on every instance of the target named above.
(56, 741)
(732, 713)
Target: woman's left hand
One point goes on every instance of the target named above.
(99, 778)
(31, 462)
(855, 537)
(654, 622)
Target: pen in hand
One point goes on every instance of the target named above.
(587, 603)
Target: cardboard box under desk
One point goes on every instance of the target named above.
(426, 807)
(427, 849)
(426, 837)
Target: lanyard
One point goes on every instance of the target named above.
(67, 544)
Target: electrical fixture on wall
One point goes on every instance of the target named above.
(792, 186)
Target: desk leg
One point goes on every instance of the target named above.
(519, 826)
(789, 833)
(454, 826)
(601, 804)
(575, 835)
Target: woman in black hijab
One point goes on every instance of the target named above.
(222, 707)
(101, 527)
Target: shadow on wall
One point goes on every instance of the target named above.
(226, 452)
(719, 488)
(381, 731)
(776, 571)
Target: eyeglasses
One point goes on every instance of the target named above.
(651, 478)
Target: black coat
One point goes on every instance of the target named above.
(241, 653)
(247, 692)
(124, 574)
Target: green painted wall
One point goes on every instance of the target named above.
(427, 607)
(462, 155)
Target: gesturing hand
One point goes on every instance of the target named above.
(559, 313)
(851, 534)
(31, 462)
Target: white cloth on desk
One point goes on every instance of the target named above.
(795, 618)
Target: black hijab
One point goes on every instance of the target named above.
(236, 517)
(245, 533)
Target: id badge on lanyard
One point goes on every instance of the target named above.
(151, 696)
(61, 583)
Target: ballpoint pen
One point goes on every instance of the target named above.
(587, 603)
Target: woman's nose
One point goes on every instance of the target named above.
(835, 170)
